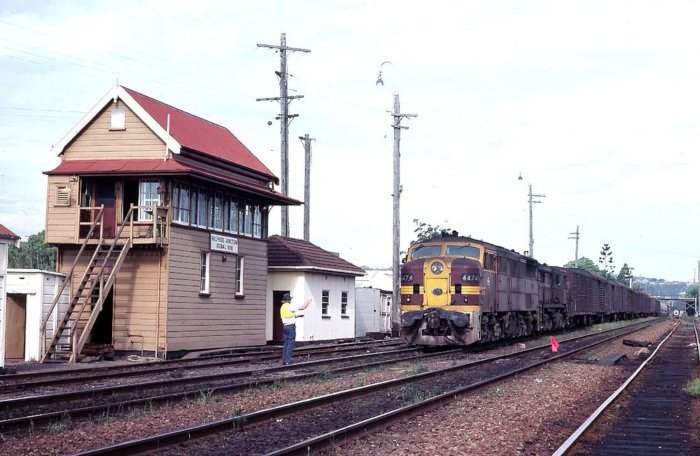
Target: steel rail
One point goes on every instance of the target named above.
(194, 432)
(111, 390)
(59, 376)
(573, 438)
(123, 405)
(308, 446)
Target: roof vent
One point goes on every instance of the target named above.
(118, 119)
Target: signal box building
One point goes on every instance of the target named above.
(160, 220)
(307, 271)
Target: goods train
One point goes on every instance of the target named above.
(456, 290)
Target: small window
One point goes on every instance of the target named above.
(344, 303)
(239, 276)
(63, 195)
(325, 301)
(204, 274)
(118, 119)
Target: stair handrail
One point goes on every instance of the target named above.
(100, 271)
(77, 348)
(99, 217)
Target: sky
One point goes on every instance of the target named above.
(595, 104)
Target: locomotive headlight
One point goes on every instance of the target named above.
(436, 268)
(407, 277)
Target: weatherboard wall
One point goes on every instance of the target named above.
(98, 142)
(61, 219)
(139, 296)
(219, 318)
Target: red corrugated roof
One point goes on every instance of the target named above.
(285, 252)
(7, 234)
(158, 166)
(199, 134)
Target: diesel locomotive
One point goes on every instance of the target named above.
(456, 290)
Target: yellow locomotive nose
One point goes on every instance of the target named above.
(436, 283)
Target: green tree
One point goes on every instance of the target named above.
(692, 291)
(606, 261)
(586, 264)
(425, 231)
(34, 253)
(625, 274)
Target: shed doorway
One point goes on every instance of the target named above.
(102, 330)
(16, 326)
(277, 328)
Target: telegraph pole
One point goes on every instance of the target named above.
(307, 184)
(284, 119)
(576, 236)
(532, 201)
(395, 307)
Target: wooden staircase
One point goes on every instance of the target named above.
(86, 303)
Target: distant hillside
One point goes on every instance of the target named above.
(660, 287)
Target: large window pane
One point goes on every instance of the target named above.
(233, 216)
(218, 212)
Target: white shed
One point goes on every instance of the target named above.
(30, 294)
(373, 303)
(307, 271)
(7, 237)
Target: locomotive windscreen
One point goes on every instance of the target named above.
(463, 251)
(426, 251)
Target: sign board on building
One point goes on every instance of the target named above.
(226, 244)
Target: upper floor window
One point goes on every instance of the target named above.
(117, 119)
(233, 216)
(181, 204)
(257, 223)
(248, 222)
(218, 212)
(148, 197)
(202, 208)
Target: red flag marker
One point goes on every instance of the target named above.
(555, 344)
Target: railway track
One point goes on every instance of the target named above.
(51, 377)
(309, 424)
(34, 409)
(655, 417)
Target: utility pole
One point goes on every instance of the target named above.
(284, 119)
(531, 199)
(576, 236)
(307, 184)
(396, 301)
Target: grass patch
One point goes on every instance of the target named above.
(323, 376)
(693, 387)
(418, 369)
(495, 391)
(207, 397)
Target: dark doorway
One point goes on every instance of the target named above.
(105, 194)
(16, 326)
(102, 330)
(277, 329)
